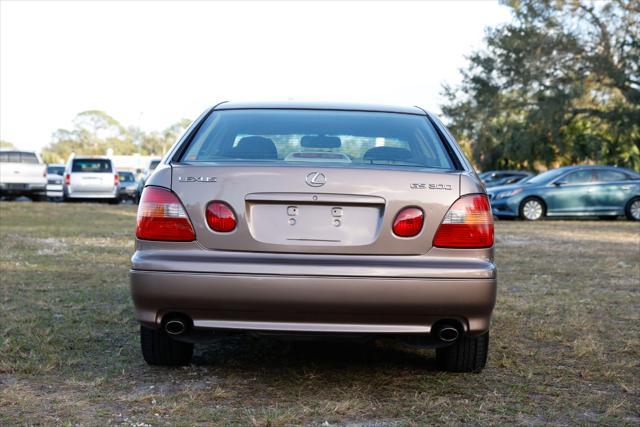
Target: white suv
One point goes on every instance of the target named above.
(90, 178)
(22, 173)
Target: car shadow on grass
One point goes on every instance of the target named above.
(250, 353)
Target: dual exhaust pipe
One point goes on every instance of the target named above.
(179, 325)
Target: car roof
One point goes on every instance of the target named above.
(291, 105)
(91, 157)
(16, 150)
(578, 167)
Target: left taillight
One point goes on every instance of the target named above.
(467, 225)
(161, 216)
(116, 180)
(220, 217)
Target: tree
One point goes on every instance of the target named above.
(559, 85)
(6, 144)
(93, 133)
(158, 143)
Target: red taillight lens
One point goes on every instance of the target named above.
(116, 180)
(161, 216)
(67, 179)
(467, 224)
(408, 222)
(220, 217)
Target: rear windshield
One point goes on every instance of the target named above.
(126, 177)
(18, 157)
(55, 170)
(154, 164)
(347, 138)
(91, 165)
(546, 176)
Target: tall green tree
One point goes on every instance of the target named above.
(93, 133)
(559, 85)
(157, 143)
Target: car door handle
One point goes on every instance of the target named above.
(591, 190)
(627, 187)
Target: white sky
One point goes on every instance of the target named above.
(152, 63)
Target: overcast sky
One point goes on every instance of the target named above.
(152, 63)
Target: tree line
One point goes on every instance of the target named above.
(94, 131)
(559, 85)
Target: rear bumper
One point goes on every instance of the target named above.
(54, 190)
(16, 188)
(91, 195)
(396, 302)
(128, 193)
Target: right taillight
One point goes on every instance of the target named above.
(67, 179)
(408, 222)
(467, 224)
(161, 216)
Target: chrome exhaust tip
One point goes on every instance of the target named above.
(448, 333)
(175, 327)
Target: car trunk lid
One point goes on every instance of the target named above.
(304, 210)
(92, 181)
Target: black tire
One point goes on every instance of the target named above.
(159, 349)
(521, 210)
(468, 354)
(627, 209)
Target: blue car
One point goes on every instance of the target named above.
(570, 191)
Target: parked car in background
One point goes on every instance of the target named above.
(571, 191)
(315, 219)
(22, 173)
(503, 177)
(128, 186)
(151, 166)
(90, 178)
(55, 177)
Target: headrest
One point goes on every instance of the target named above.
(255, 147)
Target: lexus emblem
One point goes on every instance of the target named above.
(316, 179)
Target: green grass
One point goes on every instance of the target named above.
(565, 339)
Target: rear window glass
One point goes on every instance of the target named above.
(154, 164)
(55, 170)
(91, 165)
(347, 138)
(126, 177)
(18, 157)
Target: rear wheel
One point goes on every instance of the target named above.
(159, 349)
(532, 209)
(633, 209)
(467, 354)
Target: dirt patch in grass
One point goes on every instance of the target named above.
(565, 343)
